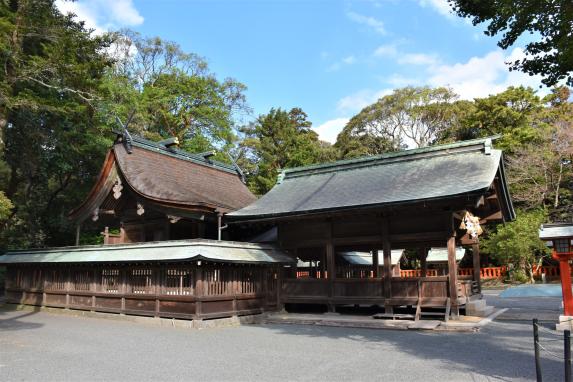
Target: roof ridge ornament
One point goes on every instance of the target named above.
(281, 177)
(487, 145)
(126, 137)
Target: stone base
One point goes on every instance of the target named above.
(565, 323)
(478, 308)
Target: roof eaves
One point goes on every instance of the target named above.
(233, 218)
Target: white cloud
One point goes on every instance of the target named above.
(481, 76)
(348, 60)
(400, 81)
(357, 101)
(441, 6)
(387, 50)
(369, 21)
(103, 15)
(418, 59)
(328, 131)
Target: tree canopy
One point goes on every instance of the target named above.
(547, 25)
(415, 116)
(278, 140)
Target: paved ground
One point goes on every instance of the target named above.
(43, 346)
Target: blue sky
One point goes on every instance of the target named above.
(331, 58)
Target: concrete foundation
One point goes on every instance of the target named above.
(478, 308)
(565, 323)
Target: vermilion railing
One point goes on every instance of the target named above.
(485, 273)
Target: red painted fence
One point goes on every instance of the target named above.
(485, 273)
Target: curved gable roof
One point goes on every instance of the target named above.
(400, 177)
(169, 177)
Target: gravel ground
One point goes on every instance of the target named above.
(38, 346)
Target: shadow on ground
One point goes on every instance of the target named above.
(11, 322)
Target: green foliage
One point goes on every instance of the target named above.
(6, 207)
(515, 114)
(276, 141)
(173, 94)
(517, 243)
(416, 116)
(549, 51)
(52, 70)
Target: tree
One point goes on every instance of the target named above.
(173, 94)
(517, 244)
(414, 116)
(516, 114)
(547, 23)
(52, 70)
(276, 141)
(540, 175)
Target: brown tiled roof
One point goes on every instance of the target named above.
(172, 178)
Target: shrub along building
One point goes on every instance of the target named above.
(318, 215)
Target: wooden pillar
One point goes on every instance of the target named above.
(375, 263)
(476, 265)
(199, 291)
(280, 305)
(565, 273)
(219, 227)
(331, 273)
(453, 275)
(423, 256)
(78, 229)
(387, 252)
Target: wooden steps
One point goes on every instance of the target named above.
(393, 316)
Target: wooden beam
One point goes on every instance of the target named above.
(418, 236)
(476, 265)
(387, 252)
(494, 216)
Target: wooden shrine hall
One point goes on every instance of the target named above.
(148, 191)
(415, 199)
(161, 256)
(171, 216)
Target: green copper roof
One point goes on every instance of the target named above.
(197, 249)
(438, 255)
(556, 231)
(412, 175)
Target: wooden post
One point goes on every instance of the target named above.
(375, 263)
(78, 229)
(331, 273)
(387, 252)
(453, 275)
(199, 292)
(476, 264)
(219, 216)
(565, 271)
(423, 256)
(280, 305)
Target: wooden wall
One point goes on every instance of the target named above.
(161, 290)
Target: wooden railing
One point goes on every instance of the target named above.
(418, 273)
(403, 291)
